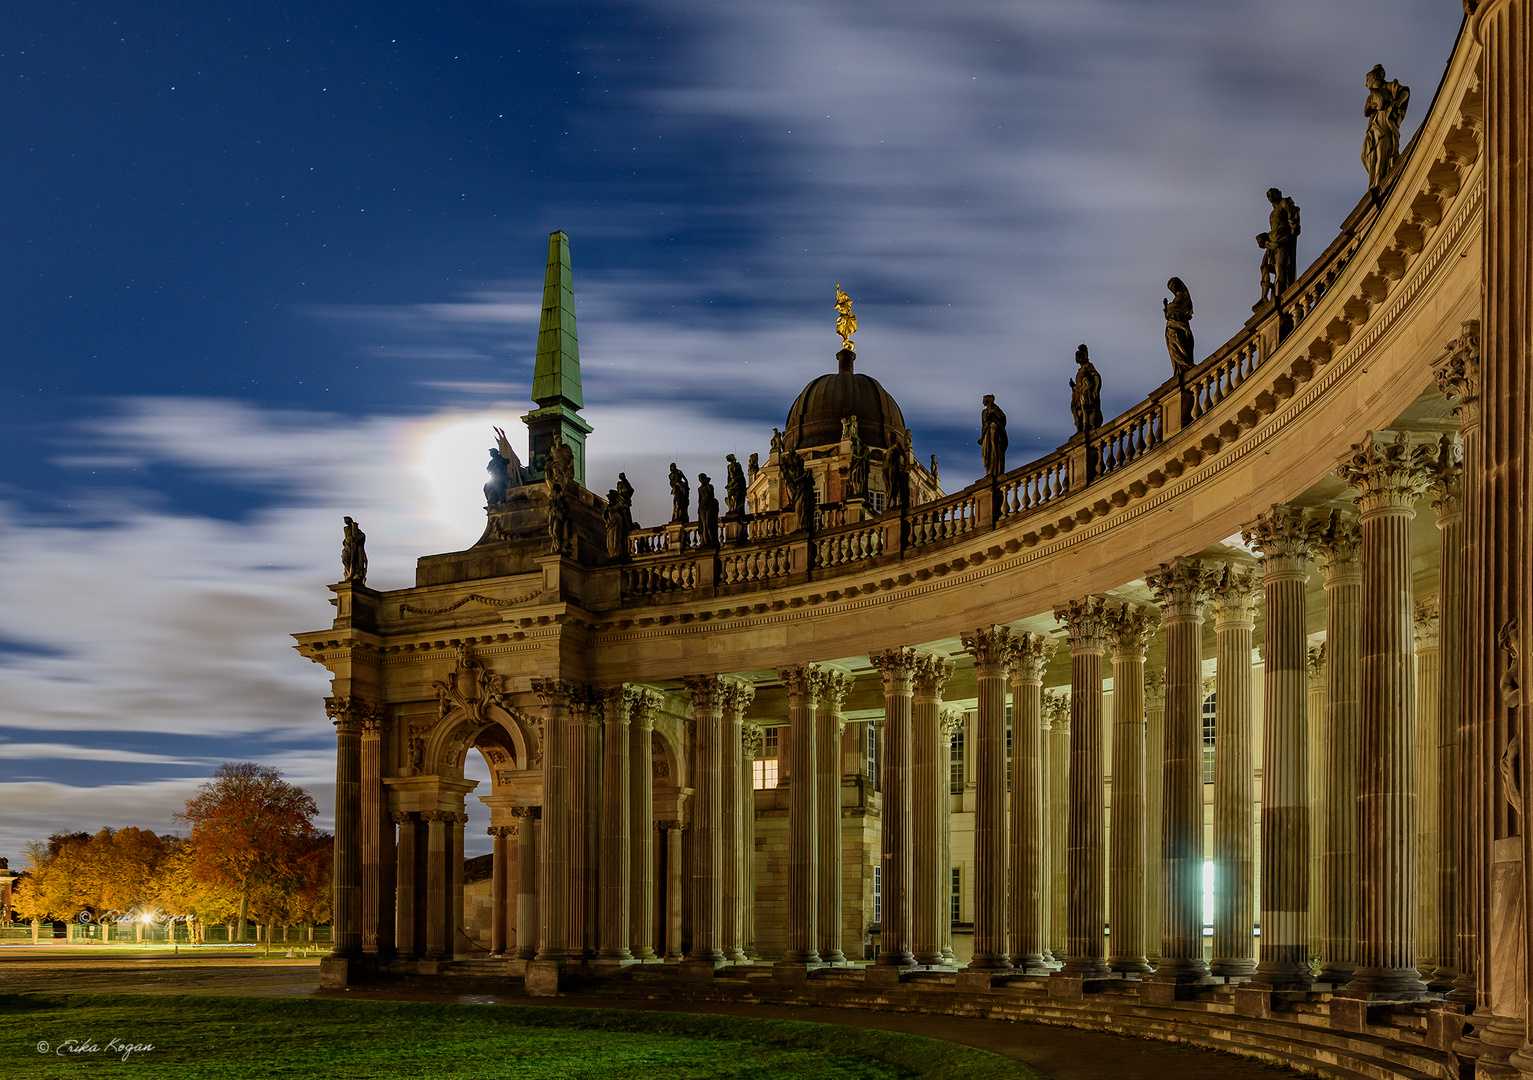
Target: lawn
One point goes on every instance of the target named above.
(89, 1034)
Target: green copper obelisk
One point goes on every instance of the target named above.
(556, 378)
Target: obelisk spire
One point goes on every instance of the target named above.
(556, 376)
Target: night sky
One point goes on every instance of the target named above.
(268, 264)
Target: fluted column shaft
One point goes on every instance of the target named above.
(1182, 587)
(1284, 536)
(1390, 477)
(577, 817)
(1058, 707)
(1339, 545)
(707, 818)
(751, 736)
(377, 834)
(828, 731)
(1154, 801)
(641, 826)
(1085, 623)
(1428, 691)
(952, 724)
(675, 836)
(457, 941)
(803, 684)
(618, 704)
(898, 668)
(1129, 629)
(500, 857)
(928, 791)
(347, 714)
(554, 866)
(404, 878)
(526, 881)
(438, 883)
(1448, 502)
(1029, 886)
(1234, 779)
(1319, 795)
(990, 647)
(737, 697)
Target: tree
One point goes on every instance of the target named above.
(250, 833)
(112, 871)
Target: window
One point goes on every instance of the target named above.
(870, 740)
(955, 894)
(1008, 748)
(1208, 739)
(878, 894)
(955, 764)
(764, 768)
(876, 501)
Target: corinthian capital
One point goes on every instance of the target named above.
(834, 686)
(1315, 663)
(898, 667)
(1181, 587)
(348, 713)
(990, 646)
(1056, 708)
(1236, 594)
(1284, 535)
(1387, 475)
(1085, 623)
(1426, 622)
(707, 690)
(738, 695)
(553, 691)
(1446, 479)
(1155, 686)
(802, 681)
(1030, 654)
(1339, 542)
(752, 735)
(932, 674)
(1129, 626)
(1457, 372)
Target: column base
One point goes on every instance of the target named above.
(335, 972)
(1386, 985)
(1232, 967)
(989, 963)
(1130, 966)
(1086, 967)
(543, 976)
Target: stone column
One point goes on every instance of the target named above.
(377, 895)
(584, 773)
(1182, 589)
(347, 715)
(641, 824)
(707, 819)
(1390, 477)
(438, 883)
(952, 724)
(803, 683)
(737, 787)
(554, 893)
(1339, 546)
(1086, 625)
(1056, 707)
(457, 940)
(404, 879)
(526, 881)
(1319, 795)
(898, 668)
(673, 887)
(1029, 885)
(1129, 629)
(1448, 501)
(1154, 800)
(1457, 373)
(499, 892)
(618, 703)
(1428, 689)
(751, 738)
(1234, 603)
(991, 648)
(828, 732)
(1284, 536)
(929, 790)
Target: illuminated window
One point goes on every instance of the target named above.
(1208, 739)
(764, 768)
(955, 766)
(878, 894)
(955, 893)
(870, 739)
(1008, 748)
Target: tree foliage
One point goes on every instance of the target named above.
(112, 871)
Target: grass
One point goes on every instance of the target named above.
(233, 1037)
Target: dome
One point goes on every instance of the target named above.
(815, 418)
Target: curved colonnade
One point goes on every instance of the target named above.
(1343, 435)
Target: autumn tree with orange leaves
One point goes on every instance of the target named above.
(253, 835)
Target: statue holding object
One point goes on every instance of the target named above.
(1086, 394)
(861, 461)
(846, 322)
(1282, 241)
(734, 487)
(680, 495)
(1178, 312)
(1384, 110)
(505, 469)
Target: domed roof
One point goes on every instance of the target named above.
(815, 418)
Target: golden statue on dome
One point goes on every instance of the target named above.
(846, 322)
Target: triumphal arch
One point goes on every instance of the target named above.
(843, 736)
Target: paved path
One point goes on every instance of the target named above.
(1055, 1053)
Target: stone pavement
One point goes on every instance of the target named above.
(1055, 1053)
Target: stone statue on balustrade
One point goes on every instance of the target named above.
(1282, 240)
(861, 461)
(559, 466)
(353, 553)
(707, 513)
(1264, 241)
(561, 525)
(1178, 311)
(625, 497)
(798, 483)
(992, 437)
(754, 465)
(617, 521)
(897, 464)
(505, 469)
(1384, 110)
(935, 477)
(734, 487)
(776, 445)
(1086, 394)
(680, 495)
